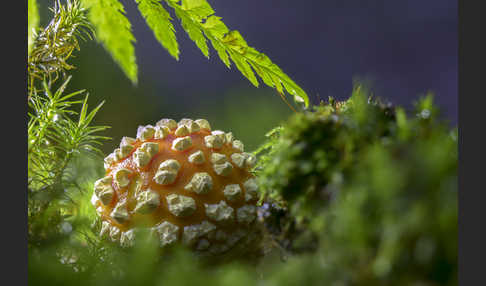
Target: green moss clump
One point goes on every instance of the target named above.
(377, 190)
(316, 149)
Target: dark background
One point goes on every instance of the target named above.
(403, 49)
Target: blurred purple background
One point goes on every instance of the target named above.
(403, 48)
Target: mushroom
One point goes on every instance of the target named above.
(183, 182)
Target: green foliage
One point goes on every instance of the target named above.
(55, 44)
(59, 127)
(191, 27)
(334, 134)
(159, 21)
(54, 140)
(377, 188)
(197, 18)
(395, 221)
(113, 30)
(32, 23)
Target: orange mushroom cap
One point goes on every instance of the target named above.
(184, 182)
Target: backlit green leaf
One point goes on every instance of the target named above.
(193, 30)
(159, 21)
(199, 22)
(113, 30)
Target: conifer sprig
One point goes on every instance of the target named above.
(55, 137)
(57, 134)
(55, 44)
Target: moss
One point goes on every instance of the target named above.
(377, 189)
(316, 149)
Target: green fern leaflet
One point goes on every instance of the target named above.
(201, 24)
(113, 30)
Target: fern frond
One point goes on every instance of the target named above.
(159, 21)
(194, 32)
(33, 23)
(114, 31)
(198, 20)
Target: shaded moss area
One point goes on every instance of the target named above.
(375, 188)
